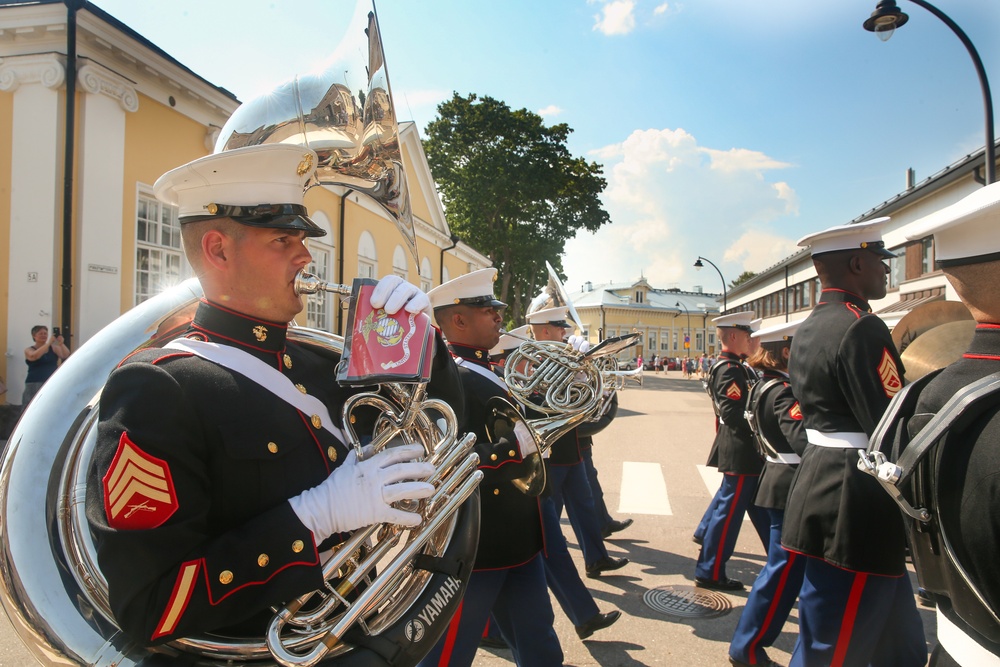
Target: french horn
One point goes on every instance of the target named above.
(390, 591)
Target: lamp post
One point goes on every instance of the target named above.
(699, 265)
(884, 21)
(687, 342)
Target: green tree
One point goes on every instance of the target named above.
(511, 189)
(742, 278)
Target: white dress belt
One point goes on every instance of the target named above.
(786, 459)
(964, 649)
(838, 440)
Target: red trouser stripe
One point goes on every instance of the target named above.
(449, 640)
(769, 617)
(725, 528)
(850, 614)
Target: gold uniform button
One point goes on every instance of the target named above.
(301, 388)
(493, 457)
(272, 447)
(263, 560)
(298, 545)
(511, 453)
(288, 361)
(226, 577)
(317, 422)
(496, 492)
(331, 451)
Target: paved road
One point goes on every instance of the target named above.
(663, 428)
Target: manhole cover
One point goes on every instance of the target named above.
(687, 601)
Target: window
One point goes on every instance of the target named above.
(367, 259)
(699, 341)
(897, 268)
(426, 277)
(638, 297)
(927, 255)
(159, 257)
(318, 306)
(399, 266)
(675, 340)
(711, 338)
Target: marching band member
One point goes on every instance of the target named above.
(856, 605)
(956, 552)
(738, 460)
(776, 421)
(212, 494)
(508, 577)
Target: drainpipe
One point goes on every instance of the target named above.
(340, 257)
(454, 242)
(72, 6)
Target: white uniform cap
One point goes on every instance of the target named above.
(554, 316)
(755, 324)
(967, 232)
(740, 320)
(862, 235)
(472, 289)
(778, 332)
(508, 342)
(259, 186)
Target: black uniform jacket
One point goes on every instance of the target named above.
(968, 474)
(730, 385)
(844, 370)
(780, 420)
(510, 531)
(589, 429)
(193, 468)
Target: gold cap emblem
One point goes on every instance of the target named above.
(226, 577)
(305, 165)
(212, 209)
(260, 332)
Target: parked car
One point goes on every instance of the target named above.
(628, 365)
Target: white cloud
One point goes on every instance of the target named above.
(616, 18)
(551, 110)
(670, 200)
(661, 9)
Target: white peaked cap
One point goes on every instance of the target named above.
(471, 289)
(741, 320)
(967, 232)
(554, 316)
(862, 235)
(508, 341)
(778, 332)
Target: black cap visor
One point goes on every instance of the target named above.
(266, 216)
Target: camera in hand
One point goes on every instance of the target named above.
(56, 331)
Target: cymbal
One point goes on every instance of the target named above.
(925, 317)
(937, 348)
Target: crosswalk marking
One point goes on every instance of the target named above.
(644, 490)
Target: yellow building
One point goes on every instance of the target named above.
(136, 114)
(673, 323)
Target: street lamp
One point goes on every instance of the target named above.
(699, 265)
(687, 342)
(884, 21)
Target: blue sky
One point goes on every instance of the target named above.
(727, 128)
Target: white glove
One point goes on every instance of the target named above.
(359, 494)
(525, 441)
(393, 293)
(584, 347)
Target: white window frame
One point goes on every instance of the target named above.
(158, 265)
(319, 306)
(367, 256)
(426, 275)
(400, 265)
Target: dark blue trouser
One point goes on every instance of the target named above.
(600, 507)
(568, 485)
(521, 607)
(737, 492)
(852, 618)
(699, 531)
(560, 570)
(771, 598)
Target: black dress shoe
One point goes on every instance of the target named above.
(606, 564)
(766, 662)
(726, 584)
(598, 622)
(490, 642)
(697, 540)
(615, 527)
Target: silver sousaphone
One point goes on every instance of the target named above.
(390, 592)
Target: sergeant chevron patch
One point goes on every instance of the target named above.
(138, 489)
(795, 412)
(889, 374)
(734, 392)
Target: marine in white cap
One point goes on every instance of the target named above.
(956, 552)
(776, 422)
(856, 602)
(728, 385)
(220, 471)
